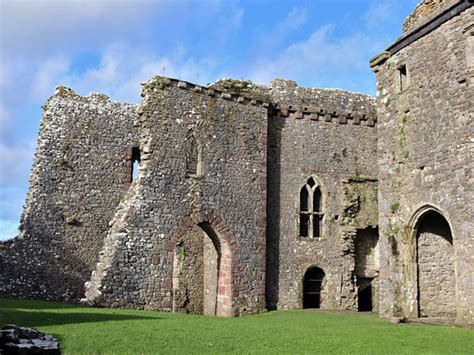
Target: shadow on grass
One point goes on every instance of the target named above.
(37, 314)
(38, 319)
(14, 303)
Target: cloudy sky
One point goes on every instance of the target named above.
(110, 46)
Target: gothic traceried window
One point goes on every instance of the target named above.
(311, 214)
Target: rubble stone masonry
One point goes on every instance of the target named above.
(425, 110)
(235, 198)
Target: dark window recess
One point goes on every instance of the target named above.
(304, 199)
(317, 200)
(192, 154)
(403, 77)
(304, 224)
(316, 226)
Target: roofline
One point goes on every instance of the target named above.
(423, 30)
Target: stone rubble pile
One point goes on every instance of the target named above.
(25, 341)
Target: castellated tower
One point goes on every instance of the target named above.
(425, 106)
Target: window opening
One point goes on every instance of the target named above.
(193, 155)
(135, 162)
(304, 199)
(311, 214)
(403, 77)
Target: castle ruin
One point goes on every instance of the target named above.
(235, 198)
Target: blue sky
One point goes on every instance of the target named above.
(110, 46)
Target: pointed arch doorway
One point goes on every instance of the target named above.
(435, 263)
(202, 273)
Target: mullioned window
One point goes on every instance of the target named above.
(311, 214)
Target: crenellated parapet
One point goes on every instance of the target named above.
(368, 119)
(333, 104)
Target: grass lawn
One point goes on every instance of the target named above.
(96, 330)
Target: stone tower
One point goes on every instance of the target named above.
(425, 106)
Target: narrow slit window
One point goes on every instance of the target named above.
(403, 77)
(135, 162)
(311, 214)
(132, 164)
(193, 155)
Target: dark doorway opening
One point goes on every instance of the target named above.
(312, 287)
(364, 294)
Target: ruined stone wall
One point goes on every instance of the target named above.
(78, 178)
(425, 11)
(333, 139)
(425, 110)
(223, 198)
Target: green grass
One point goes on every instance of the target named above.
(98, 331)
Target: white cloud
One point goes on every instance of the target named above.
(319, 57)
(37, 27)
(378, 12)
(296, 18)
(47, 75)
(15, 163)
(120, 72)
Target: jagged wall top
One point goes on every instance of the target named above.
(425, 11)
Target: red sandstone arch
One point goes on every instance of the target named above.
(214, 227)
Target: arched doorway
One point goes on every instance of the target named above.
(313, 286)
(217, 281)
(436, 280)
(202, 274)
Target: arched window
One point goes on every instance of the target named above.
(311, 214)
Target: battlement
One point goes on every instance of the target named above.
(319, 114)
(334, 105)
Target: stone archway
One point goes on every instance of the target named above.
(435, 266)
(202, 272)
(217, 278)
(313, 287)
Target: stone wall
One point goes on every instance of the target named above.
(332, 138)
(436, 276)
(173, 205)
(425, 105)
(78, 178)
(426, 11)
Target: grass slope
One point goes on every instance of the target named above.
(96, 330)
